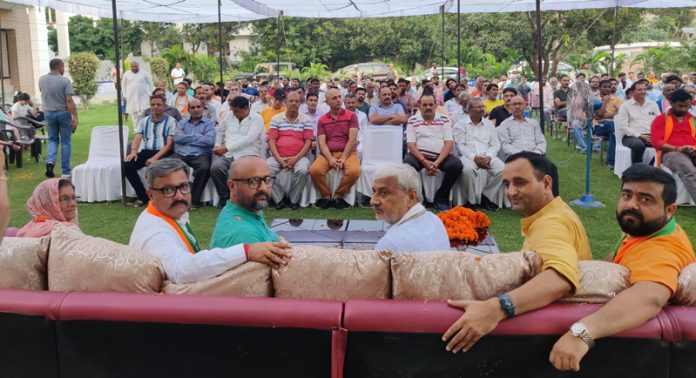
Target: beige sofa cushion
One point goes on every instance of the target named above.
(23, 263)
(333, 274)
(600, 281)
(85, 263)
(459, 275)
(686, 287)
(250, 279)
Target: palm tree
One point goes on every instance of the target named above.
(204, 67)
(176, 54)
(316, 70)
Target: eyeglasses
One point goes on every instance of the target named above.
(195, 107)
(254, 182)
(68, 199)
(170, 191)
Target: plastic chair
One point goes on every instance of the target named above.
(622, 159)
(382, 145)
(99, 178)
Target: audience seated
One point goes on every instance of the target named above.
(477, 142)
(429, 140)
(277, 107)
(387, 112)
(503, 112)
(491, 102)
(673, 134)
(168, 110)
(519, 133)
(605, 118)
(240, 134)
(156, 133)
(552, 229)
(395, 199)
(241, 220)
(180, 100)
(289, 140)
(53, 201)
(163, 230)
(337, 139)
(22, 108)
(654, 248)
(560, 97)
(193, 142)
(634, 119)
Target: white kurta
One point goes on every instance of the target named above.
(137, 88)
(418, 231)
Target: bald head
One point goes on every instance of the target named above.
(195, 109)
(250, 183)
(517, 104)
(245, 165)
(333, 99)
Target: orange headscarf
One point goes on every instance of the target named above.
(44, 207)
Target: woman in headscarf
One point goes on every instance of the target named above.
(53, 201)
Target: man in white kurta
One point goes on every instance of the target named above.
(163, 231)
(477, 142)
(137, 87)
(395, 200)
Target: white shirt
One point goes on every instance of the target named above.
(19, 110)
(258, 106)
(517, 136)
(429, 137)
(634, 119)
(155, 236)
(409, 233)
(453, 106)
(245, 137)
(476, 140)
(177, 75)
(137, 88)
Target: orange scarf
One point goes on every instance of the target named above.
(192, 245)
(626, 242)
(669, 126)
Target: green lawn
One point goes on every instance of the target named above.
(115, 222)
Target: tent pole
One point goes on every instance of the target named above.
(119, 99)
(220, 43)
(277, 73)
(540, 67)
(442, 12)
(2, 68)
(459, 41)
(612, 68)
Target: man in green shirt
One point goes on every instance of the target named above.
(241, 220)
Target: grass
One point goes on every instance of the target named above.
(115, 222)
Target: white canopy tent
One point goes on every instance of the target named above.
(210, 11)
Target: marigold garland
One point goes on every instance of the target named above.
(464, 225)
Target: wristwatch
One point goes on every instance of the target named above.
(580, 330)
(507, 304)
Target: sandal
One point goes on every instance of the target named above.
(138, 203)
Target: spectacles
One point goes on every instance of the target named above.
(68, 199)
(254, 182)
(195, 107)
(170, 191)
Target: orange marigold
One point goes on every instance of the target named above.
(463, 224)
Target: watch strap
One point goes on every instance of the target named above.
(507, 305)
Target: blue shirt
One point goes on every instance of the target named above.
(154, 133)
(194, 139)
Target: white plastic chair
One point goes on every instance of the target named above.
(99, 178)
(382, 145)
(622, 159)
(683, 197)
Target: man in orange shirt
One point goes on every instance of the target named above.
(654, 249)
(277, 107)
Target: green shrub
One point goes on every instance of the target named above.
(83, 69)
(158, 67)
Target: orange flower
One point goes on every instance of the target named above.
(464, 225)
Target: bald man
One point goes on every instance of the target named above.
(241, 220)
(337, 139)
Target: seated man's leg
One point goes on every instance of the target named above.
(218, 172)
(606, 129)
(300, 176)
(412, 161)
(684, 167)
(318, 171)
(637, 147)
(470, 174)
(495, 180)
(201, 174)
(453, 169)
(278, 189)
(351, 174)
(131, 172)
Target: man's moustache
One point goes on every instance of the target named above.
(182, 202)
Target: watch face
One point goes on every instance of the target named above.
(577, 329)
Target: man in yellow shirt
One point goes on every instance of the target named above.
(654, 249)
(491, 102)
(277, 107)
(551, 229)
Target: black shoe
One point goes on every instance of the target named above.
(49, 169)
(323, 203)
(340, 203)
(280, 205)
(487, 204)
(294, 206)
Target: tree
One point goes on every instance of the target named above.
(158, 34)
(86, 35)
(83, 69)
(198, 34)
(159, 69)
(204, 67)
(53, 39)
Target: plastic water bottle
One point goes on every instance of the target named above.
(526, 113)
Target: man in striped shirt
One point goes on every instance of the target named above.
(289, 139)
(156, 131)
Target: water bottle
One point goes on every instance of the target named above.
(526, 113)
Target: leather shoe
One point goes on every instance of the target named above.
(323, 203)
(442, 206)
(294, 206)
(340, 203)
(280, 205)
